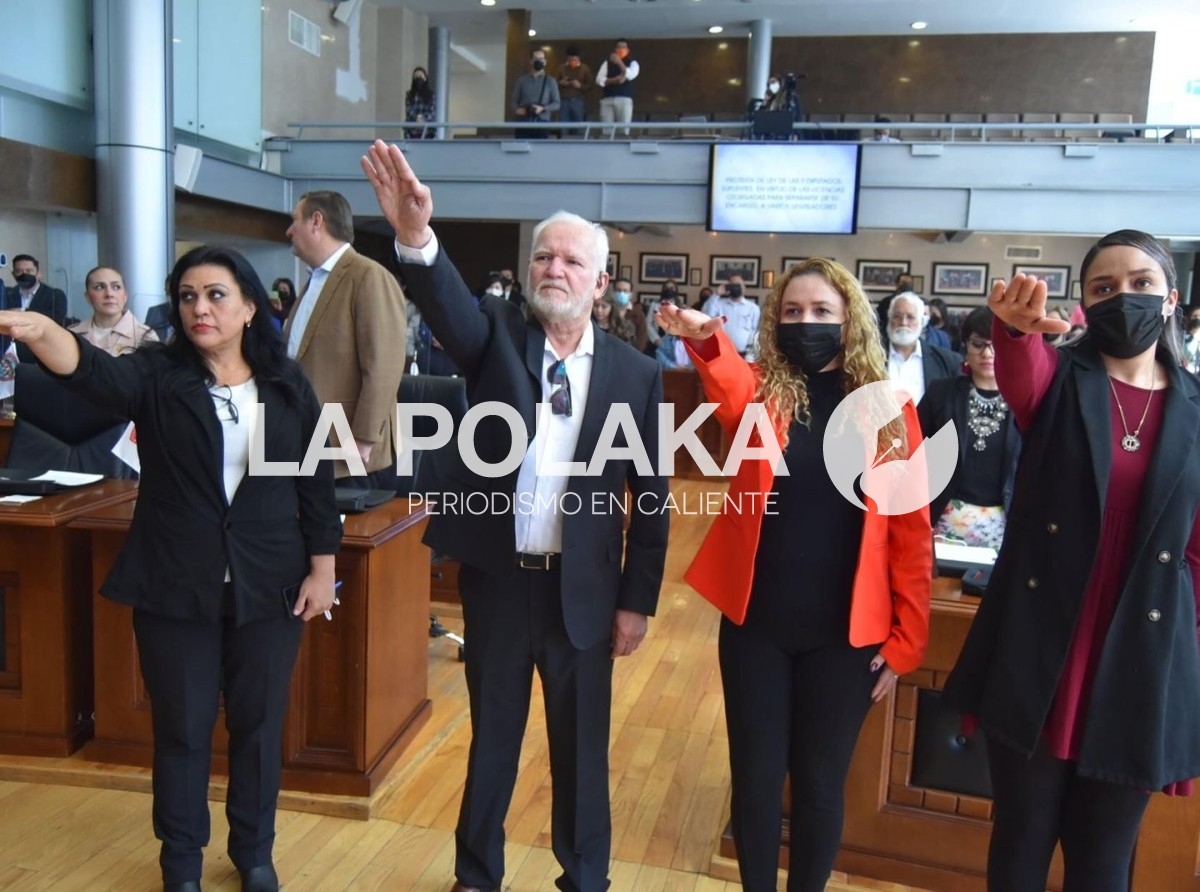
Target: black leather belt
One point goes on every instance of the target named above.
(539, 561)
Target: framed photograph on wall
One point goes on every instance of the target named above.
(614, 264)
(1057, 278)
(881, 275)
(660, 267)
(1076, 290)
(768, 278)
(789, 262)
(969, 279)
(647, 299)
(723, 268)
(626, 274)
(919, 284)
(696, 276)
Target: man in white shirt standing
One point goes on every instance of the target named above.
(615, 80)
(741, 315)
(913, 363)
(347, 331)
(548, 581)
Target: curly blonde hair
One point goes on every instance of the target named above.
(783, 388)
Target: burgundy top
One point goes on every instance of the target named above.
(1023, 391)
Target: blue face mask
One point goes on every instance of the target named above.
(622, 297)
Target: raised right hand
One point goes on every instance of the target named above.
(406, 202)
(686, 323)
(1021, 304)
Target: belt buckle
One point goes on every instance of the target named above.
(541, 562)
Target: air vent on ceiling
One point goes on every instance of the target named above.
(1022, 252)
(304, 34)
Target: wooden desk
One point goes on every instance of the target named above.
(45, 603)
(6, 431)
(937, 840)
(360, 688)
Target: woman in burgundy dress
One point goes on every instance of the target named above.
(1082, 666)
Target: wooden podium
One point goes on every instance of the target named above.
(360, 688)
(46, 620)
(898, 831)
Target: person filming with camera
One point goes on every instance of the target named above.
(535, 96)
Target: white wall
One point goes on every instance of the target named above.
(478, 95)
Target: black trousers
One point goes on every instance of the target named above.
(513, 626)
(1041, 801)
(798, 713)
(186, 666)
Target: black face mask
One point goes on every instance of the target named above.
(26, 280)
(810, 346)
(1125, 325)
(506, 281)
(539, 65)
(734, 291)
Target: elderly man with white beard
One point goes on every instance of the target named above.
(557, 587)
(912, 362)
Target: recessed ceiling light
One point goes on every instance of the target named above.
(1122, 39)
(715, 29)
(488, 2)
(722, 45)
(914, 43)
(532, 32)
(919, 26)
(905, 80)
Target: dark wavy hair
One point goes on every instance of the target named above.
(1170, 339)
(978, 323)
(262, 345)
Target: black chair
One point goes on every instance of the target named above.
(426, 474)
(56, 429)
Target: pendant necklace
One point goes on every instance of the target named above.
(1131, 442)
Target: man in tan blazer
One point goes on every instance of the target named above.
(347, 331)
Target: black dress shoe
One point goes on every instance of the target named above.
(189, 886)
(260, 879)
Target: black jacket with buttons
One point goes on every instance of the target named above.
(184, 531)
(1143, 715)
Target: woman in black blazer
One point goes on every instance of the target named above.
(221, 564)
(972, 507)
(1082, 665)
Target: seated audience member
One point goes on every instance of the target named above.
(973, 507)
(112, 327)
(884, 134)
(939, 330)
(1191, 341)
(613, 317)
(912, 363)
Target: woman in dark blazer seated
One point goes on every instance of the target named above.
(972, 507)
(824, 603)
(1082, 664)
(220, 565)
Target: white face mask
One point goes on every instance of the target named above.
(496, 291)
(773, 87)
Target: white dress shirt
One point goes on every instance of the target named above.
(308, 300)
(539, 495)
(632, 70)
(741, 321)
(908, 373)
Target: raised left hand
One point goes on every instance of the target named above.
(629, 628)
(886, 680)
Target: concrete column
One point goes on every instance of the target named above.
(439, 74)
(135, 174)
(758, 59)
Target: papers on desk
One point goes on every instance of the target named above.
(68, 478)
(958, 553)
(17, 500)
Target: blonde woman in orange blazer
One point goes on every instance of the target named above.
(824, 603)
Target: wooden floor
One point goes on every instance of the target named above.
(669, 787)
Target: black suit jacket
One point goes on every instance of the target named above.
(1143, 724)
(946, 400)
(938, 362)
(184, 531)
(47, 301)
(500, 351)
